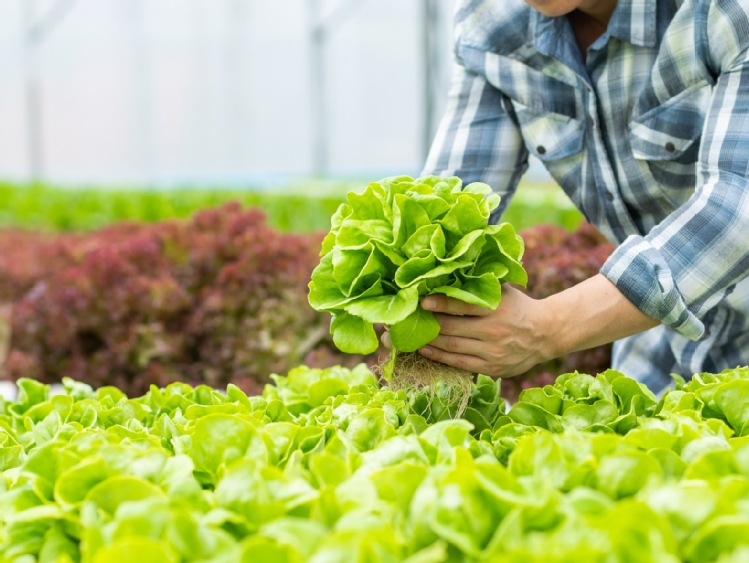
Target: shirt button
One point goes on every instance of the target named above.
(609, 196)
(540, 149)
(670, 147)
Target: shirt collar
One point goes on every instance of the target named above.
(635, 21)
(554, 37)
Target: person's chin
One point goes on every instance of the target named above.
(550, 8)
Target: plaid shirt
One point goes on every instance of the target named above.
(649, 137)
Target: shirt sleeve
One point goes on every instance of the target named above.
(476, 139)
(689, 262)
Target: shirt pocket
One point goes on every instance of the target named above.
(543, 106)
(666, 140)
(551, 137)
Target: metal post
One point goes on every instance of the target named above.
(237, 11)
(319, 119)
(430, 46)
(33, 93)
(320, 29)
(36, 32)
(146, 148)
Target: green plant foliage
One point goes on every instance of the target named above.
(43, 207)
(326, 465)
(402, 239)
(304, 206)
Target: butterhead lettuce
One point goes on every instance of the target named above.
(402, 239)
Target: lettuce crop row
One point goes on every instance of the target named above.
(328, 466)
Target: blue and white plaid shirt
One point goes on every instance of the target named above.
(649, 137)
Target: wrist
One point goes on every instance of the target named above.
(592, 313)
(551, 336)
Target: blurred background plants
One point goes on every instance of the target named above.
(210, 286)
(302, 207)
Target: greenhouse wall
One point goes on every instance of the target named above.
(164, 92)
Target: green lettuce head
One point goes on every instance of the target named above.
(402, 239)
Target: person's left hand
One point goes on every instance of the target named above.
(503, 342)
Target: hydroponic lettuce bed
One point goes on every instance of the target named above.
(327, 466)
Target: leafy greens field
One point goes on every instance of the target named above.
(328, 466)
(300, 208)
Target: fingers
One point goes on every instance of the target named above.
(460, 361)
(470, 363)
(444, 304)
(459, 345)
(385, 339)
(457, 326)
(456, 318)
(445, 340)
(449, 338)
(460, 322)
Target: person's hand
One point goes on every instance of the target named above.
(503, 342)
(523, 331)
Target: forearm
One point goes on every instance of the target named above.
(523, 332)
(592, 313)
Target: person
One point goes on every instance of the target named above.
(640, 111)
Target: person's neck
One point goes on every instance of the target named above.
(598, 10)
(589, 21)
